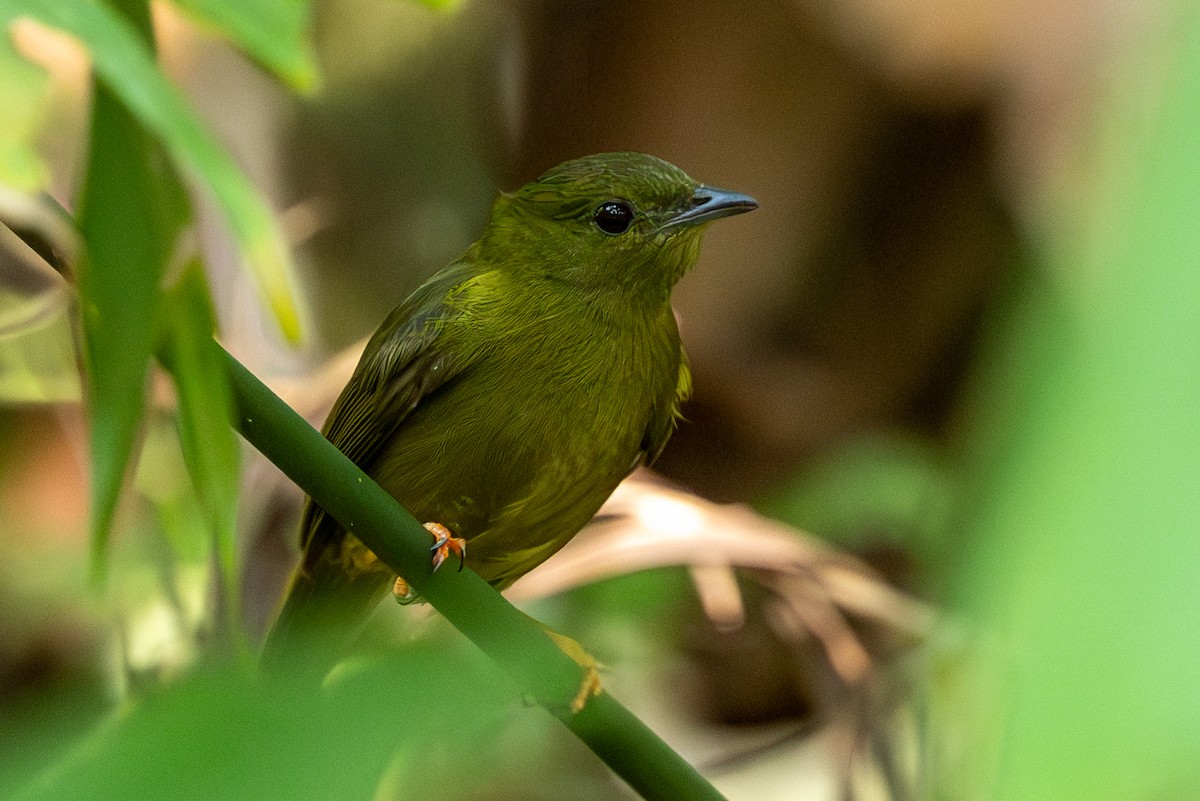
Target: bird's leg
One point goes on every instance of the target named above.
(590, 685)
(444, 544)
(403, 592)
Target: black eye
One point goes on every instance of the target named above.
(614, 217)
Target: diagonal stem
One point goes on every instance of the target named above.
(507, 635)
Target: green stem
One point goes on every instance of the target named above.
(507, 635)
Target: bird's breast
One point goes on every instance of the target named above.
(520, 450)
(584, 395)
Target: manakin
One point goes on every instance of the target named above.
(506, 398)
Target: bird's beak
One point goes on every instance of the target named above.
(710, 203)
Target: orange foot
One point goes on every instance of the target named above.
(444, 544)
(404, 593)
(589, 684)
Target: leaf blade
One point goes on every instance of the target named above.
(210, 448)
(24, 90)
(119, 291)
(124, 64)
(273, 32)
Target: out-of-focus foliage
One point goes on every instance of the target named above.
(224, 734)
(275, 32)
(119, 282)
(131, 215)
(875, 495)
(1086, 559)
(37, 354)
(123, 62)
(23, 90)
(210, 447)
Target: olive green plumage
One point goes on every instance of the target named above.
(509, 395)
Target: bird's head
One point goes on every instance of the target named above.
(623, 221)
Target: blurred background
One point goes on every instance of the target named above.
(953, 357)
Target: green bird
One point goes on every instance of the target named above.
(508, 396)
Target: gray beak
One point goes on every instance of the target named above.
(710, 203)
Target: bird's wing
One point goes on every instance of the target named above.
(402, 364)
(663, 420)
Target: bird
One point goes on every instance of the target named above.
(506, 398)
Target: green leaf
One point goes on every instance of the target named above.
(1087, 559)
(123, 62)
(216, 735)
(131, 211)
(274, 32)
(24, 90)
(163, 479)
(37, 350)
(873, 486)
(210, 447)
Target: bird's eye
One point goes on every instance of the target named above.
(613, 217)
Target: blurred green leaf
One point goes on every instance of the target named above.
(37, 351)
(413, 718)
(210, 446)
(873, 490)
(131, 211)
(38, 365)
(24, 90)
(163, 479)
(1088, 555)
(123, 62)
(275, 32)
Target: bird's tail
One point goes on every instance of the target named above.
(326, 604)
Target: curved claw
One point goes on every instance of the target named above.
(445, 543)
